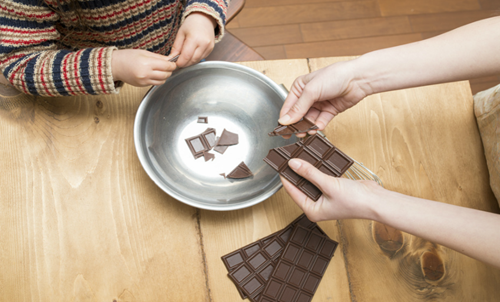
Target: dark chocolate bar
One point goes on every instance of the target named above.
(300, 267)
(302, 126)
(251, 266)
(317, 151)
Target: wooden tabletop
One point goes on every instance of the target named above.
(81, 221)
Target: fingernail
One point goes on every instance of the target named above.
(294, 164)
(284, 119)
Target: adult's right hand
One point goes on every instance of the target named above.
(139, 67)
(342, 198)
(323, 94)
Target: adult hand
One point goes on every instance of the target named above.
(342, 198)
(323, 94)
(139, 67)
(195, 39)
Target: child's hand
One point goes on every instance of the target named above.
(342, 198)
(195, 39)
(139, 67)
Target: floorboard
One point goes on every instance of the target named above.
(286, 29)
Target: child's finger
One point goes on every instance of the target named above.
(177, 46)
(187, 52)
(159, 75)
(164, 65)
(197, 56)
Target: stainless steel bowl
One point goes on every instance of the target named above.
(233, 97)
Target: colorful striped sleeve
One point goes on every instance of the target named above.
(31, 61)
(214, 8)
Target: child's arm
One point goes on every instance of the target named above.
(202, 25)
(30, 61)
(437, 222)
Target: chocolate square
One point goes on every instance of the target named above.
(316, 150)
(299, 269)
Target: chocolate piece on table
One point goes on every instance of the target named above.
(223, 175)
(201, 142)
(241, 262)
(302, 126)
(241, 171)
(317, 151)
(202, 119)
(300, 267)
(227, 138)
(208, 156)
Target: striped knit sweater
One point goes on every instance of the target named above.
(46, 53)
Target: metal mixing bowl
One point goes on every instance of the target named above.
(233, 97)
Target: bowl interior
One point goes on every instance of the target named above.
(233, 97)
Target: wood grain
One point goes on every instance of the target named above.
(412, 7)
(447, 21)
(80, 219)
(224, 232)
(347, 47)
(269, 35)
(264, 3)
(290, 14)
(419, 141)
(490, 4)
(348, 29)
(232, 49)
(276, 52)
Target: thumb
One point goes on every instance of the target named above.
(299, 100)
(309, 172)
(178, 43)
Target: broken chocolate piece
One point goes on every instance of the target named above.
(300, 268)
(201, 142)
(223, 174)
(208, 156)
(317, 151)
(220, 149)
(302, 126)
(202, 119)
(241, 171)
(227, 138)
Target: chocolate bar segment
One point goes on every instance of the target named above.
(241, 171)
(202, 142)
(300, 267)
(256, 269)
(317, 151)
(302, 126)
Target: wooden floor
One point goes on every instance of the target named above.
(290, 29)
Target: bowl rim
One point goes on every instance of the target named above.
(143, 157)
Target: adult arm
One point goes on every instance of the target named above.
(468, 231)
(466, 52)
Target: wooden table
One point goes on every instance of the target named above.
(81, 221)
